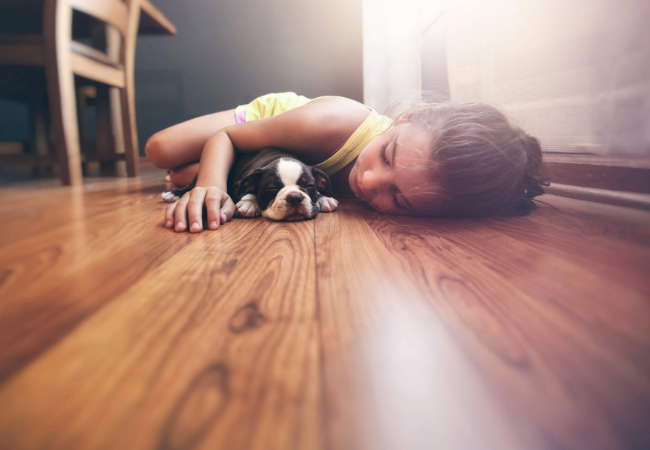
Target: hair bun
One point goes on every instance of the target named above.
(534, 177)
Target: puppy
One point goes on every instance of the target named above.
(275, 185)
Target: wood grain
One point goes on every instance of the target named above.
(185, 352)
(25, 216)
(37, 277)
(542, 337)
(393, 376)
(354, 330)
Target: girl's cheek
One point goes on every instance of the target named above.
(379, 204)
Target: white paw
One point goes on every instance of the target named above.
(248, 208)
(327, 204)
(169, 197)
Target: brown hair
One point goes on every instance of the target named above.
(486, 166)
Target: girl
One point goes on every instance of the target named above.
(434, 159)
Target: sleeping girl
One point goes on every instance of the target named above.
(421, 158)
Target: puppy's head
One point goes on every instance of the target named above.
(286, 189)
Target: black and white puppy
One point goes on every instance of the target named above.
(274, 184)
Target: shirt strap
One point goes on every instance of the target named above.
(374, 125)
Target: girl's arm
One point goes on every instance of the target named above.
(211, 189)
(217, 159)
(311, 132)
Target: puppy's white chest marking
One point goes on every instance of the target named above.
(289, 172)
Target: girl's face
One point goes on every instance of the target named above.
(393, 173)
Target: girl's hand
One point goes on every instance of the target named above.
(189, 209)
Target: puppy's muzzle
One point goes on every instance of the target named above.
(294, 199)
(292, 205)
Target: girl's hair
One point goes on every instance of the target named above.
(486, 166)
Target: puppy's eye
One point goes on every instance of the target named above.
(310, 186)
(272, 189)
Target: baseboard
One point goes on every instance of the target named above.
(628, 199)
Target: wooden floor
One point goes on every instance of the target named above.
(351, 331)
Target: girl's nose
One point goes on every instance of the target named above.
(371, 181)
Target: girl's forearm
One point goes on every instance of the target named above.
(217, 159)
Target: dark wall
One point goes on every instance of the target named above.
(227, 53)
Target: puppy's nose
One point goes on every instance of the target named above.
(294, 199)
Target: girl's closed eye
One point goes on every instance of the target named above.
(393, 190)
(394, 198)
(383, 154)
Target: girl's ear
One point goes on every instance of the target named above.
(403, 118)
(323, 183)
(249, 183)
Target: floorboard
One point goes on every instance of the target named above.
(352, 331)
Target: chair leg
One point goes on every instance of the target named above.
(132, 154)
(104, 139)
(117, 125)
(127, 95)
(39, 138)
(57, 30)
(112, 40)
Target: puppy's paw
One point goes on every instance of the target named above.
(327, 204)
(248, 208)
(169, 196)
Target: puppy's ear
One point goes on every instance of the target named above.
(249, 183)
(323, 182)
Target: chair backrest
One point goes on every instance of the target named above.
(112, 12)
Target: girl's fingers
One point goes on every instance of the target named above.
(169, 215)
(212, 203)
(227, 210)
(180, 214)
(186, 213)
(195, 209)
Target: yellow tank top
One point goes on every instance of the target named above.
(273, 104)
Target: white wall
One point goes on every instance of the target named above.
(575, 73)
(391, 47)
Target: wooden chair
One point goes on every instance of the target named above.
(63, 58)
